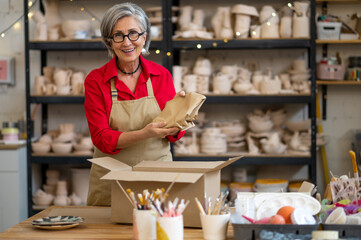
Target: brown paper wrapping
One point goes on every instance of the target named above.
(181, 111)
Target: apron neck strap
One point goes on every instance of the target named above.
(114, 91)
(150, 87)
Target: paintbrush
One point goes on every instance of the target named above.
(171, 185)
(354, 166)
(126, 194)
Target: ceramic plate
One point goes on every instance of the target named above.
(57, 227)
(57, 220)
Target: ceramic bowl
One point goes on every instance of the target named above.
(298, 126)
(65, 137)
(82, 147)
(46, 138)
(62, 148)
(40, 147)
(70, 27)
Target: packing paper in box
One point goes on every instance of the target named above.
(181, 111)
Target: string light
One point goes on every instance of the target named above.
(238, 34)
(82, 9)
(289, 5)
(30, 15)
(169, 53)
(16, 23)
(268, 24)
(157, 51)
(214, 44)
(17, 26)
(199, 46)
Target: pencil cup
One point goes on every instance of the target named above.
(170, 228)
(144, 225)
(215, 226)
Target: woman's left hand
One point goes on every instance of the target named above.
(180, 94)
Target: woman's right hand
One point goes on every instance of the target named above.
(156, 130)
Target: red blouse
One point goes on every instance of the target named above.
(98, 101)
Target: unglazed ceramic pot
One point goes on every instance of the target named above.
(222, 84)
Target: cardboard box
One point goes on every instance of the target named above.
(196, 178)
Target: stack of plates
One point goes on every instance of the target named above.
(57, 222)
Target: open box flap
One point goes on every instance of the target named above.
(183, 166)
(153, 176)
(110, 163)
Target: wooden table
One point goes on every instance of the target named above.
(97, 225)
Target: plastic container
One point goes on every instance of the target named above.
(251, 231)
(329, 30)
(330, 72)
(10, 134)
(236, 187)
(344, 230)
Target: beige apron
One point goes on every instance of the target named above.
(128, 116)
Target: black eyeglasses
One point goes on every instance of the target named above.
(132, 36)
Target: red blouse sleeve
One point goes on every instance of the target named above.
(103, 137)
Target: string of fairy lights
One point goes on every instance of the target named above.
(16, 24)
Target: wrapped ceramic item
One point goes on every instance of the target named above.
(222, 84)
(181, 111)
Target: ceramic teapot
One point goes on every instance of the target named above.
(242, 87)
(203, 66)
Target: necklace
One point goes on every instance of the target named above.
(128, 72)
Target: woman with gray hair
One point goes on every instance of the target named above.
(124, 96)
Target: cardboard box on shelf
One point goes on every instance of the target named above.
(195, 179)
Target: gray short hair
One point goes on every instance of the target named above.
(119, 11)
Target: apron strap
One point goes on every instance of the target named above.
(150, 88)
(114, 91)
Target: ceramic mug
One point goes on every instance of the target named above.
(48, 72)
(62, 77)
(49, 89)
(63, 90)
(40, 81)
